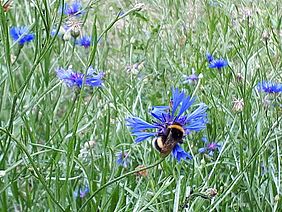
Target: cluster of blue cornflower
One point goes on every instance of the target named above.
(182, 110)
(269, 87)
(75, 79)
(91, 78)
(74, 11)
(22, 34)
(195, 121)
(216, 63)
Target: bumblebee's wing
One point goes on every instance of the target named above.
(168, 144)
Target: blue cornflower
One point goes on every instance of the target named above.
(218, 63)
(179, 153)
(81, 192)
(85, 41)
(166, 116)
(72, 78)
(21, 35)
(209, 57)
(210, 147)
(269, 87)
(191, 79)
(73, 9)
(123, 159)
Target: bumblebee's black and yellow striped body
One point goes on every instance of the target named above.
(166, 142)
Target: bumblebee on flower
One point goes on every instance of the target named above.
(171, 125)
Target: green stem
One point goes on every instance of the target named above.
(18, 53)
(197, 87)
(192, 196)
(35, 169)
(117, 179)
(118, 17)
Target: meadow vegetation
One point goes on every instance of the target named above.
(79, 86)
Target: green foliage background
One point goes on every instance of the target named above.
(45, 124)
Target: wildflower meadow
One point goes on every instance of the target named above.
(154, 105)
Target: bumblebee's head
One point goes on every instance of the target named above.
(177, 131)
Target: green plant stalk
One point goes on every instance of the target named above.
(76, 118)
(191, 197)
(119, 178)
(249, 162)
(40, 178)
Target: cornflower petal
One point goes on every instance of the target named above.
(209, 147)
(141, 136)
(21, 35)
(193, 78)
(177, 99)
(220, 63)
(85, 41)
(63, 74)
(186, 104)
(138, 124)
(159, 111)
(179, 153)
(269, 87)
(211, 153)
(73, 9)
(197, 120)
(94, 81)
(205, 139)
(82, 192)
(202, 150)
(91, 70)
(209, 57)
(196, 125)
(123, 159)
(72, 78)
(198, 113)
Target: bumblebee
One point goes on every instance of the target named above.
(165, 142)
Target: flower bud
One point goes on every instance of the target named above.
(238, 105)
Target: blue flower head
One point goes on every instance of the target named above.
(191, 79)
(269, 87)
(81, 192)
(165, 116)
(73, 9)
(218, 63)
(179, 153)
(21, 35)
(209, 57)
(210, 147)
(123, 159)
(72, 78)
(85, 41)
